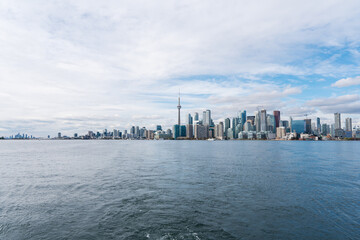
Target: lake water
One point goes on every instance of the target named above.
(179, 190)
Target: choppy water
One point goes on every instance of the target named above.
(179, 190)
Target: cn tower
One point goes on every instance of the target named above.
(179, 107)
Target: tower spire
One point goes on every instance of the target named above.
(179, 107)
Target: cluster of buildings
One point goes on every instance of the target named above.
(261, 126)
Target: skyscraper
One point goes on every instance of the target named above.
(277, 118)
(337, 117)
(243, 117)
(196, 117)
(348, 123)
(263, 121)
(257, 121)
(307, 126)
(227, 125)
(318, 125)
(207, 117)
(190, 119)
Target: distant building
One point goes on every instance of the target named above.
(251, 118)
(190, 119)
(219, 130)
(298, 126)
(196, 117)
(226, 126)
(277, 118)
(158, 128)
(337, 117)
(189, 131)
(201, 131)
(263, 121)
(59, 135)
(307, 126)
(348, 123)
(280, 132)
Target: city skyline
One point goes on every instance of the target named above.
(69, 67)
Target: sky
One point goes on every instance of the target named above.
(74, 66)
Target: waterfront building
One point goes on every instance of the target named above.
(190, 119)
(324, 129)
(189, 131)
(339, 133)
(348, 124)
(337, 117)
(183, 131)
(243, 135)
(158, 128)
(277, 118)
(318, 125)
(307, 126)
(196, 117)
(219, 131)
(251, 118)
(207, 117)
(59, 134)
(227, 126)
(280, 132)
(298, 126)
(242, 116)
(263, 121)
(230, 133)
(271, 123)
(201, 131)
(176, 131)
(257, 121)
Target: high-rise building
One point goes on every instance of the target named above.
(219, 130)
(337, 117)
(207, 117)
(298, 126)
(196, 117)
(242, 117)
(318, 125)
(277, 118)
(189, 131)
(348, 123)
(227, 126)
(307, 126)
(190, 119)
(176, 131)
(271, 123)
(257, 121)
(263, 121)
(324, 129)
(201, 131)
(252, 119)
(158, 128)
(280, 132)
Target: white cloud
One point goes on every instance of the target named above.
(346, 82)
(113, 63)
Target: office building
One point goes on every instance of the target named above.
(348, 124)
(337, 117)
(277, 118)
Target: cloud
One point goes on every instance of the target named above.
(346, 82)
(344, 104)
(114, 64)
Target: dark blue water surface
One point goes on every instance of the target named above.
(179, 190)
